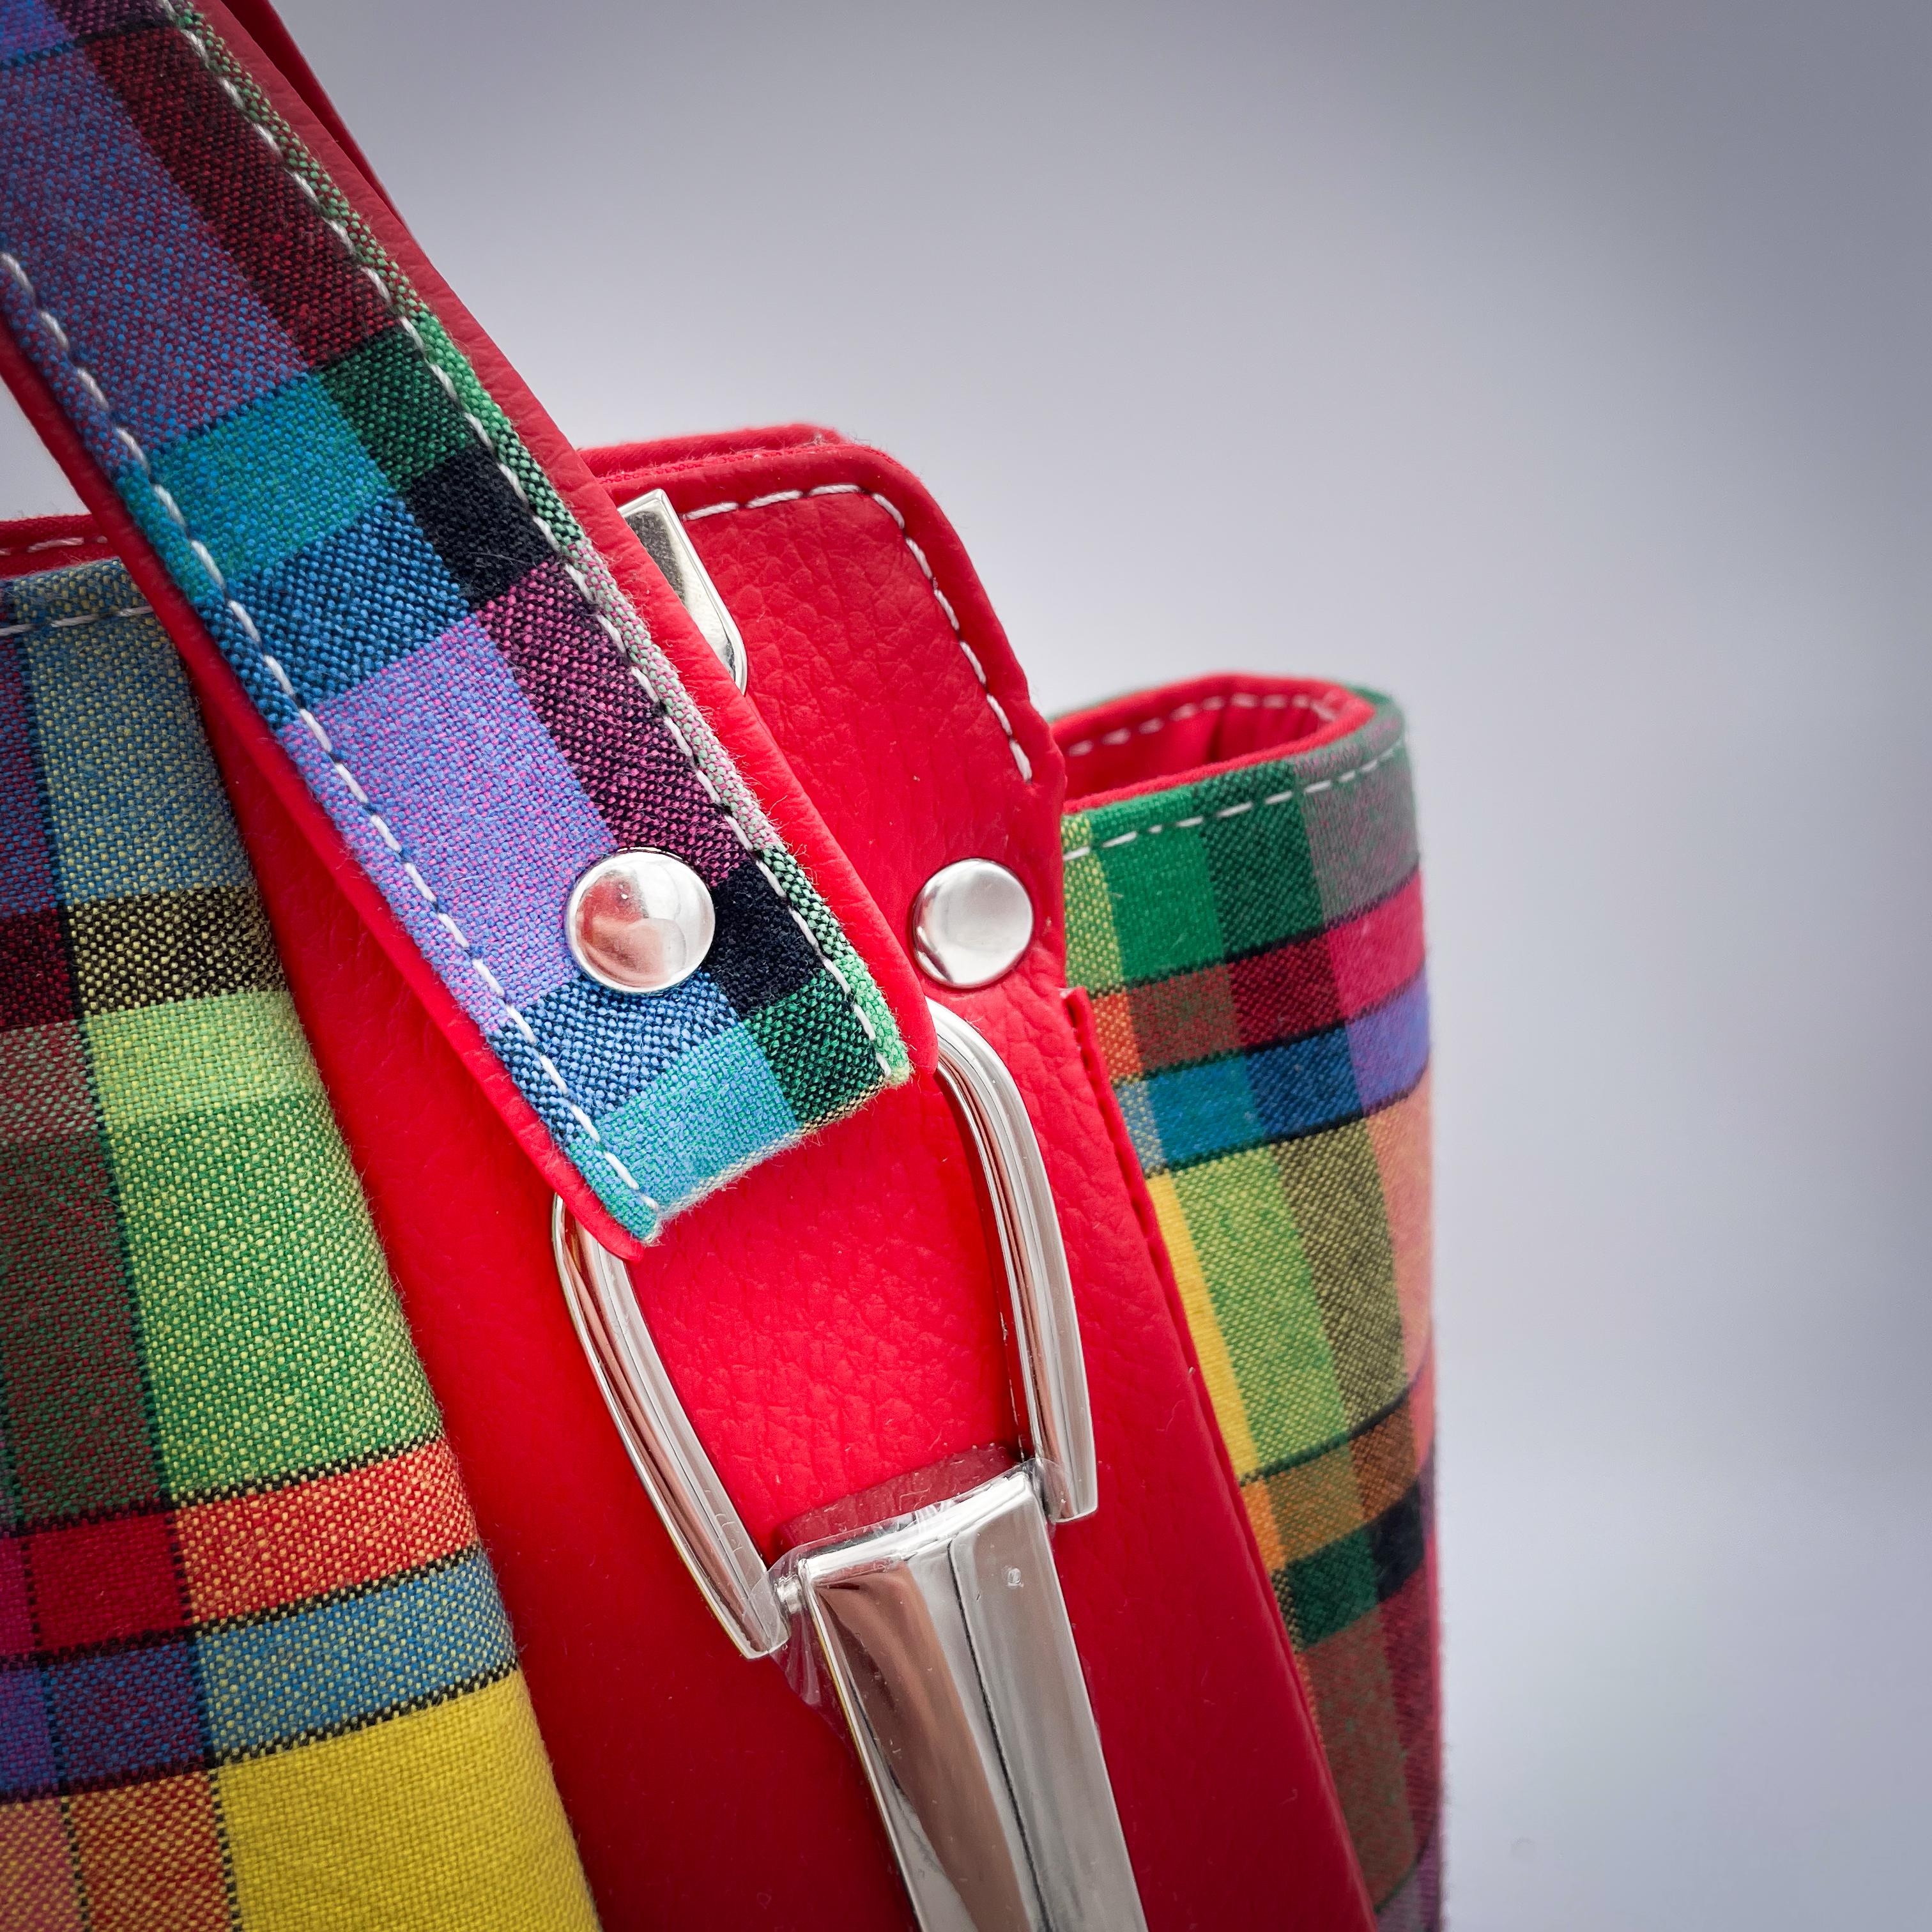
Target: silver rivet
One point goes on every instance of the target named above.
(638, 921)
(970, 923)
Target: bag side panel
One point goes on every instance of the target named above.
(257, 1671)
(1252, 939)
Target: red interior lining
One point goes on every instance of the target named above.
(1150, 738)
(606, 461)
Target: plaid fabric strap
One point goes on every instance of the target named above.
(253, 1668)
(408, 601)
(1253, 946)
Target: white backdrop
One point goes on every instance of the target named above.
(1561, 366)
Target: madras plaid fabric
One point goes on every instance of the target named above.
(1253, 945)
(409, 602)
(253, 1668)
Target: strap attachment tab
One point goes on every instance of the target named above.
(944, 1630)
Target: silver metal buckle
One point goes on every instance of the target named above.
(944, 1631)
(661, 532)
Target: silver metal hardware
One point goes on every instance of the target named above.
(970, 923)
(661, 532)
(944, 1632)
(640, 922)
(1050, 1370)
(948, 1642)
(664, 1448)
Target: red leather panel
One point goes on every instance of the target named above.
(835, 1324)
(860, 670)
(860, 673)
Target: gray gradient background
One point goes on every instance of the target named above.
(1562, 368)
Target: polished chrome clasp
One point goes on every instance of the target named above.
(947, 1640)
(1049, 1371)
(944, 1630)
(664, 1448)
(661, 532)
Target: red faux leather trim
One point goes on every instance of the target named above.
(260, 22)
(673, 452)
(1179, 732)
(995, 812)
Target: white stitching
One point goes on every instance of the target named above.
(74, 623)
(939, 596)
(1240, 700)
(1235, 811)
(48, 543)
(483, 436)
(13, 267)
